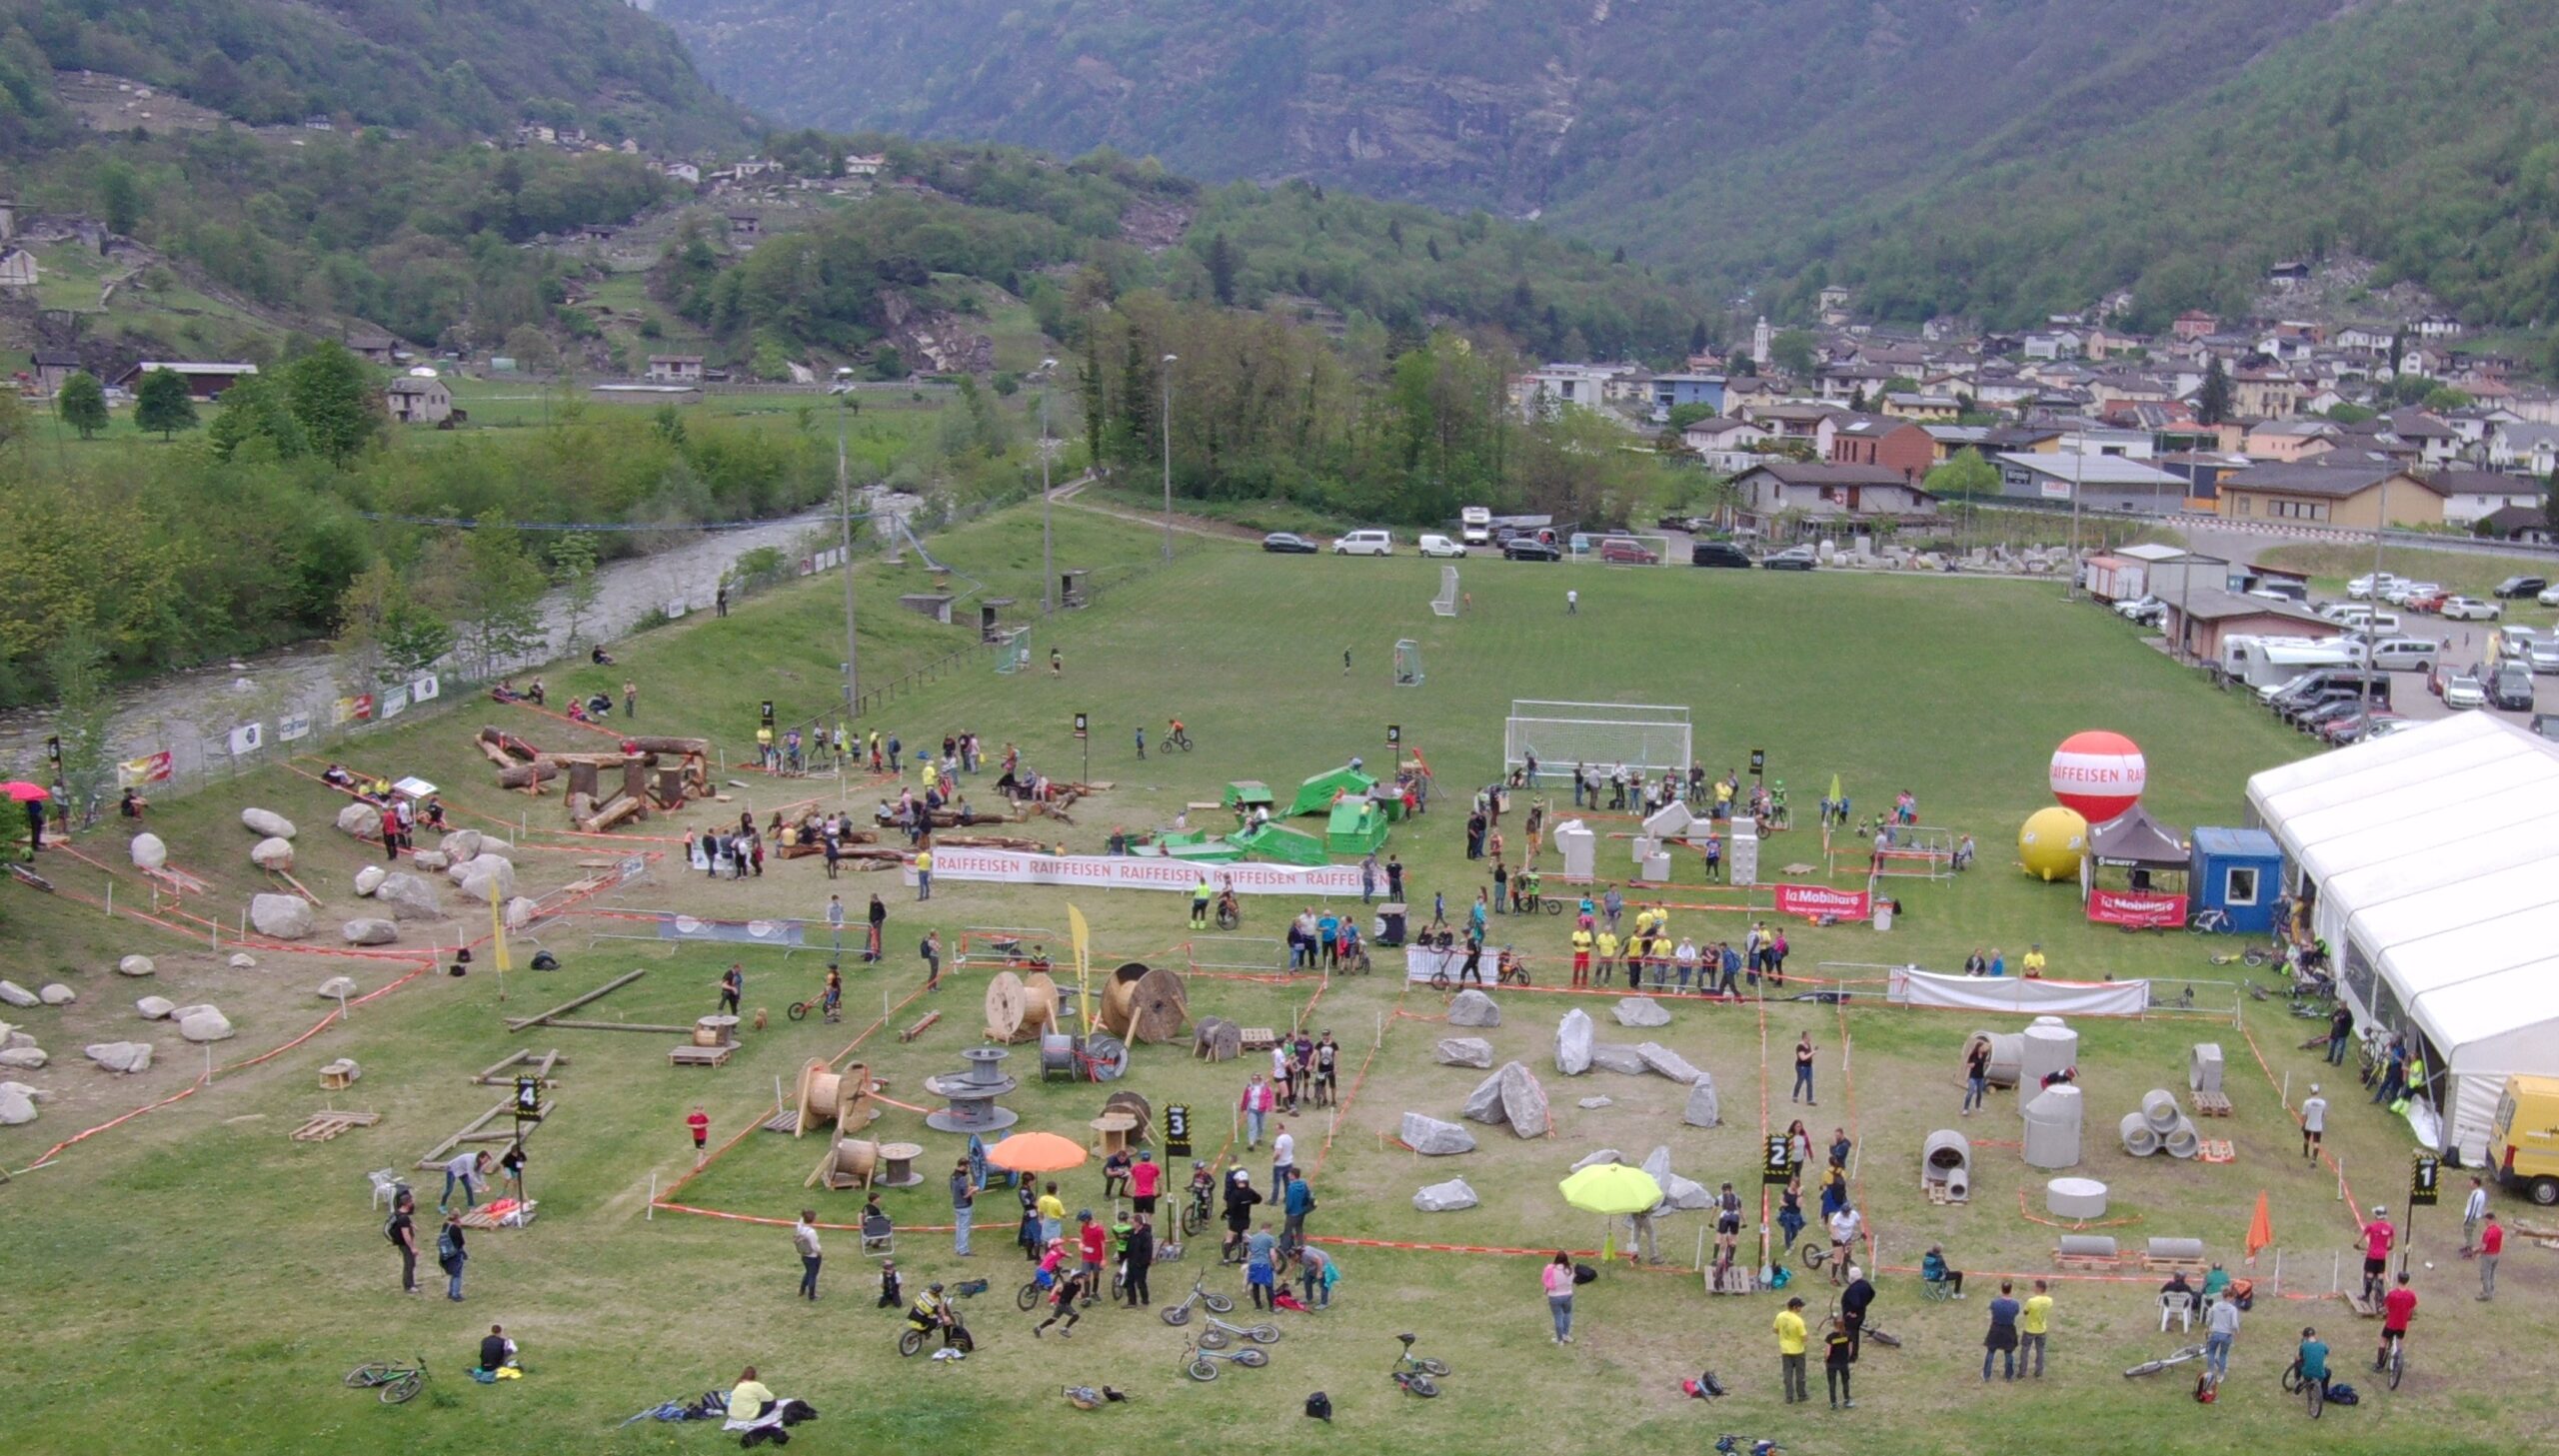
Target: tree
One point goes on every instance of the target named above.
(84, 718)
(333, 398)
(573, 570)
(1792, 351)
(1698, 337)
(255, 410)
(498, 593)
(1966, 474)
(414, 639)
(162, 401)
(1683, 416)
(2550, 502)
(2212, 406)
(1221, 269)
(121, 197)
(83, 403)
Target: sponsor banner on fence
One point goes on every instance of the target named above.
(248, 739)
(1140, 872)
(292, 726)
(393, 702)
(1821, 900)
(358, 709)
(424, 689)
(735, 932)
(1911, 987)
(2124, 907)
(149, 769)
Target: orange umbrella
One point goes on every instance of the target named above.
(2261, 1229)
(1036, 1152)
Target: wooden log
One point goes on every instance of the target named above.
(617, 1026)
(987, 841)
(668, 791)
(435, 1156)
(635, 777)
(493, 754)
(574, 1002)
(592, 760)
(516, 749)
(623, 807)
(691, 747)
(922, 1024)
(527, 775)
(582, 778)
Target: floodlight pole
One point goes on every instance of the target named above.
(1048, 551)
(2078, 461)
(1170, 360)
(2380, 523)
(844, 494)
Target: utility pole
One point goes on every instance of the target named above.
(2381, 522)
(843, 500)
(2078, 461)
(1047, 549)
(1170, 360)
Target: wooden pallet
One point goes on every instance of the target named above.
(325, 1126)
(1937, 1192)
(1733, 1280)
(2085, 1263)
(691, 1056)
(2216, 1150)
(2155, 1264)
(481, 1218)
(785, 1121)
(2210, 1104)
(1259, 1039)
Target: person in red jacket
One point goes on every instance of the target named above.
(1145, 1181)
(2397, 1308)
(2492, 1242)
(1093, 1241)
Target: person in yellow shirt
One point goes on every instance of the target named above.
(2034, 961)
(1608, 955)
(748, 1398)
(931, 774)
(1790, 1343)
(2034, 1325)
(1053, 1215)
(923, 873)
(1581, 958)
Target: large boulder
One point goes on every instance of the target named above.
(123, 1057)
(1611, 1056)
(15, 994)
(1668, 1062)
(1677, 1191)
(1523, 1101)
(279, 916)
(23, 1059)
(1432, 1137)
(17, 1109)
(207, 1025)
(426, 861)
(1593, 1161)
(370, 932)
(1463, 1051)
(1446, 1197)
(1642, 1012)
(521, 910)
(267, 825)
(360, 820)
(1483, 1104)
(1572, 1043)
(1474, 1008)
(155, 1008)
(56, 994)
(410, 898)
(369, 878)
(1701, 1110)
(338, 985)
(459, 846)
(484, 870)
(149, 850)
(135, 965)
(272, 854)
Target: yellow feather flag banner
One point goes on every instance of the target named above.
(1083, 935)
(498, 927)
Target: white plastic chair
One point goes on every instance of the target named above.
(386, 1184)
(2179, 1307)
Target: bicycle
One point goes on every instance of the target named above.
(1358, 963)
(1214, 1337)
(1881, 1336)
(955, 1336)
(1756, 1446)
(1027, 1298)
(1195, 1216)
(27, 876)
(2397, 1364)
(2152, 1367)
(1230, 915)
(1178, 739)
(1201, 1364)
(1413, 1374)
(397, 1384)
(2314, 1391)
(1179, 1314)
(798, 1010)
(1512, 971)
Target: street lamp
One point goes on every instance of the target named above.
(1170, 360)
(1048, 551)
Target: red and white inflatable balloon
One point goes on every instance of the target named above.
(2099, 774)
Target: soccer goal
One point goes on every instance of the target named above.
(1621, 549)
(1012, 651)
(1445, 604)
(1407, 664)
(1560, 735)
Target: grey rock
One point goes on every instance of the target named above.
(1668, 1062)
(1433, 1139)
(459, 846)
(338, 985)
(1642, 1012)
(1603, 1155)
(267, 825)
(435, 861)
(521, 910)
(369, 878)
(57, 994)
(207, 1025)
(18, 1109)
(1572, 1043)
(180, 1013)
(1593, 1104)
(23, 1059)
(1447, 1198)
(124, 1057)
(360, 820)
(1610, 1058)
(1523, 1100)
(149, 850)
(243, 961)
(1483, 1104)
(370, 932)
(1474, 1008)
(275, 853)
(1680, 1193)
(410, 898)
(155, 1008)
(1701, 1110)
(1463, 1051)
(279, 916)
(135, 965)
(32, 1094)
(15, 994)
(485, 869)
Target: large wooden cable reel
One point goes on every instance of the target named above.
(1133, 1104)
(850, 1162)
(1018, 1008)
(1144, 1004)
(842, 1098)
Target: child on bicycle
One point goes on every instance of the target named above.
(2397, 1308)
(2313, 1357)
(830, 1000)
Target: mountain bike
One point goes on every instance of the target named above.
(2152, 1367)
(2313, 1391)
(1219, 1332)
(398, 1384)
(1413, 1374)
(1179, 1314)
(1194, 1217)
(1201, 1364)
(2397, 1364)
(956, 1335)
(1230, 913)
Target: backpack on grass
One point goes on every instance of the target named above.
(1320, 1406)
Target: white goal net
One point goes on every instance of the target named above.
(1560, 735)
(1445, 604)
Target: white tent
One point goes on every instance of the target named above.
(2433, 856)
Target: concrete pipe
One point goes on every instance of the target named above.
(2044, 1051)
(2176, 1248)
(2052, 1127)
(2007, 1049)
(2203, 1068)
(2180, 1141)
(1946, 1157)
(2076, 1199)
(2088, 1245)
(2140, 1138)
(2159, 1109)
(2047, 1021)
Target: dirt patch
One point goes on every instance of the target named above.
(1155, 225)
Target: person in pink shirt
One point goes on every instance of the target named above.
(1557, 1280)
(2378, 1237)
(1255, 1105)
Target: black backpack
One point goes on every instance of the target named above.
(2341, 1393)
(390, 1230)
(1584, 1274)
(1320, 1406)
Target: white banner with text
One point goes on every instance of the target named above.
(1138, 871)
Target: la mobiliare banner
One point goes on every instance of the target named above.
(1138, 872)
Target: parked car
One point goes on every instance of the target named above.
(1717, 554)
(2361, 589)
(2398, 593)
(1792, 558)
(2403, 653)
(2471, 608)
(2549, 597)
(1621, 551)
(2137, 609)
(2510, 687)
(2513, 641)
(2426, 602)
(2544, 656)
(2546, 724)
(1440, 546)
(2460, 687)
(1289, 542)
(2317, 717)
(1366, 543)
(1531, 548)
(2517, 587)
(2383, 728)
(2357, 727)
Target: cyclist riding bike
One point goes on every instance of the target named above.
(1174, 736)
(2314, 1358)
(1229, 909)
(1204, 1187)
(2397, 1308)
(930, 1312)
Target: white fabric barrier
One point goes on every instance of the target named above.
(1421, 963)
(1911, 987)
(1148, 871)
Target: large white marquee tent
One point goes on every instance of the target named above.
(2432, 861)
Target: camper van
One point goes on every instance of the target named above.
(2268, 662)
(2523, 1144)
(1475, 526)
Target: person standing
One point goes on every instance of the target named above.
(1240, 1197)
(931, 949)
(2034, 1324)
(1093, 1246)
(2221, 1329)
(1558, 1278)
(1053, 1214)
(1261, 1263)
(1137, 1257)
(733, 985)
(1146, 1182)
(2341, 1029)
(803, 1238)
(697, 1122)
(879, 927)
(2472, 1210)
(1283, 1156)
(2314, 1122)
(835, 914)
(1803, 1070)
(1790, 1343)
(2001, 1340)
(402, 1230)
(2378, 1235)
(1846, 1224)
(1256, 1106)
(1572, 602)
(924, 870)
(1790, 1213)
(2492, 1242)
(452, 1255)
(1854, 1301)
(963, 1206)
(630, 699)
(1837, 1364)
(1977, 1074)
(1294, 1205)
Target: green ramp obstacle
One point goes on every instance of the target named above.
(1200, 848)
(1315, 796)
(1357, 827)
(1278, 841)
(1248, 793)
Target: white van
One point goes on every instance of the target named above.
(1440, 546)
(1475, 526)
(2267, 664)
(1366, 543)
(2405, 653)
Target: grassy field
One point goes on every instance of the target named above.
(199, 1238)
(2460, 572)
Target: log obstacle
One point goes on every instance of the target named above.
(553, 1016)
(922, 1024)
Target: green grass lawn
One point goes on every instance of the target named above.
(200, 1282)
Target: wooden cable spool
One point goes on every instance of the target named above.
(1004, 1007)
(842, 1098)
(1120, 998)
(1039, 1003)
(1136, 1105)
(1216, 1038)
(1162, 1007)
(850, 1162)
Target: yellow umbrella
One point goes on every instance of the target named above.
(1611, 1188)
(1036, 1152)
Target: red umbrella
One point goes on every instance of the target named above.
(21, 791)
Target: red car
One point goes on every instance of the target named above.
(1619, 551)
(2431, 602)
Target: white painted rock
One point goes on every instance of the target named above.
(1464, 1051)
(1642, 1012)
(1447, 1198)
(135, 965)
(16, 1108)
(266, 823)
(1474, 1008)
(423, 861)
(1433, 1139)
(155, 1008)
(520, 911)
(360, 820)
(23, 1059)
(1572, 1043)
(279, 916)
(272, 854)
(149, 850)
(17, 996)
(243, 961)
(57, 994)
(369, 878)
(459, 846)
(206, 1025)
(370, 932)
(120, 1056)
(338, 985)
(410, 898)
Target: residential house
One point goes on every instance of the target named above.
(2439, 326)
(371, 345)
(1670, 391)
(2365, 339)
(1744, 392)
(1848, 381)
(2438, 442)
(2094, 438)
(2100, 482)
(2472, 495)
(2355, 498)
(1582, 385)
(2524, 446)
(860, 165)
(1795, 421)
(2053, 344)
(418, 401)
(684, 172)
(18, 268)
(1924, 408)
(2286, 441)
(2517, 522)
(1824, 494)
(2260, 393)
(205, 380)
(746, 224)
(2203, 470)
(1835, 306)
(53, 367)
(2288, 275)
(1877, 440)
(1728, 445)
(674, 369)
(2195, 324)
(2199, 620)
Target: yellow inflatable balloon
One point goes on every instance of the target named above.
(2052, 843)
